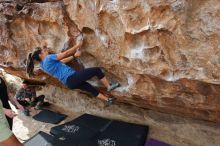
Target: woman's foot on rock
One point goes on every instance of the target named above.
(113, 86)
(109, 101)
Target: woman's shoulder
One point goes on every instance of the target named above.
(48, 61)
(51, 57)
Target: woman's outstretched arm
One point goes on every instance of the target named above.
(68, 52)
(68, 59)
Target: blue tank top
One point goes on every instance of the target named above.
(56, 68)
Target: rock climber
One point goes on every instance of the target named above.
(54, 64)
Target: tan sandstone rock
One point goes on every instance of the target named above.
(164, 52)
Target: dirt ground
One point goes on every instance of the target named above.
(25, 127)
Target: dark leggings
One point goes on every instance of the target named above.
(79, 78)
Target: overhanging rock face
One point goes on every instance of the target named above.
(165, 53)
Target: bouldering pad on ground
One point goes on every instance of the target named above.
(95, 131)
(40, 139)
(86, 121)
(48, 116)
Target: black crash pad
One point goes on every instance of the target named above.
(123, 134)
(48, 116)
(73, 134)
(72, 140)
(86, 122)
(78, 130)
(119, 134)
(40, 139)
(105, 133)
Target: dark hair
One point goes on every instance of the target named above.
(30, 61)
(35, 54)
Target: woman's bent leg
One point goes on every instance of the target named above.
(85, 86)
(82, 76)
(86, 74)
(89, 88)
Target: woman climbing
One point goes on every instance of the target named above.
(54, 64)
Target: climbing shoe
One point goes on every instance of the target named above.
(109, 101)
(113, 86)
